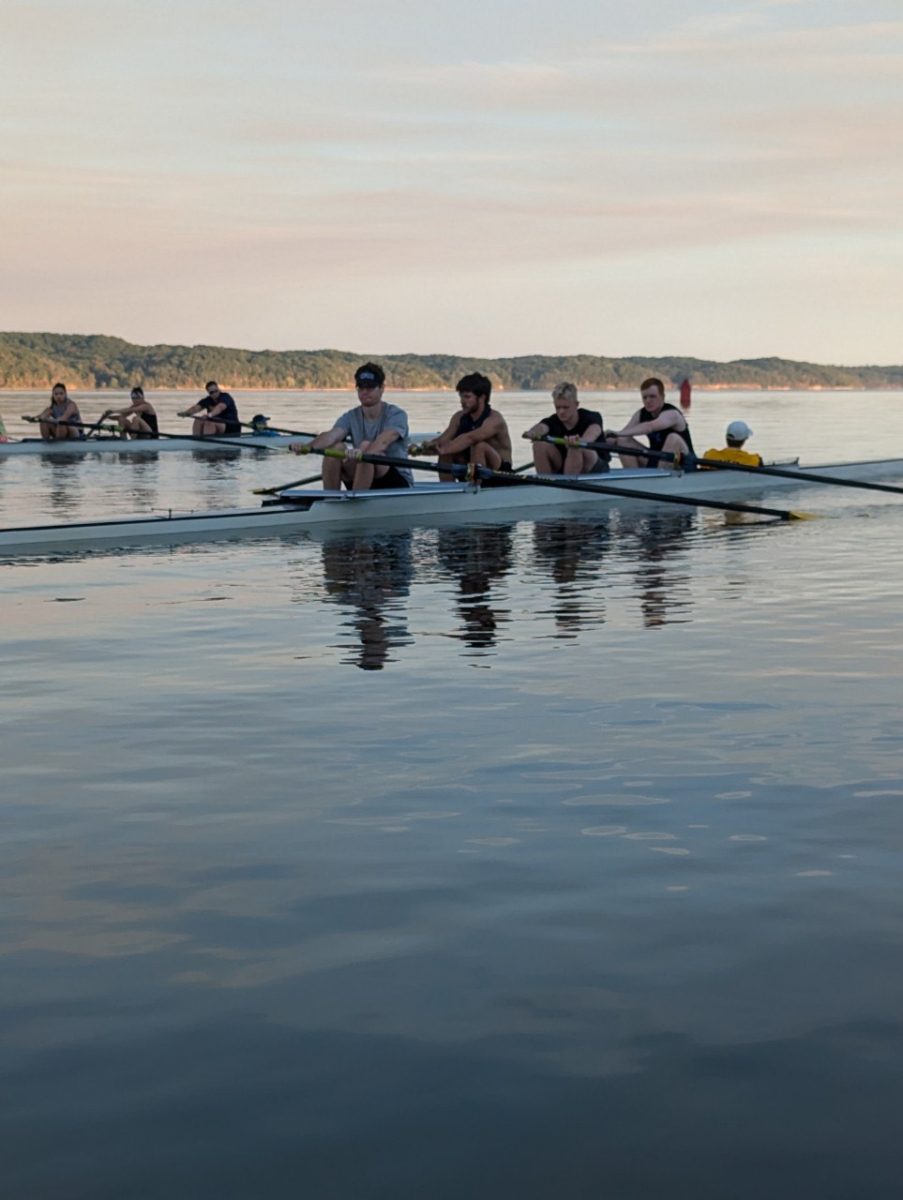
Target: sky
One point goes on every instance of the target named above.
(717, 178)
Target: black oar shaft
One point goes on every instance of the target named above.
(180, 437)
(276, 429)
(574, 485)
(716, 464)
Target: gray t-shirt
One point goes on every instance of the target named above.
(392, 417)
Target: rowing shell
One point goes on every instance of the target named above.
(308, 509)
(117, 445)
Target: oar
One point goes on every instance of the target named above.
(181, 437)
(692, 461)
(275, 429)
(473, 472)
(274, 491)
(98, 424)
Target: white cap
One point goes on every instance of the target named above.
(739, 431)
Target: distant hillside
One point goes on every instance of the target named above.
(37, 360)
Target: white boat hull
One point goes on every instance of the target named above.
(74, 448)
(317, 510)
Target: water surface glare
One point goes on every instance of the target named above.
(529, 859)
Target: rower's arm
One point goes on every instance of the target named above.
(485, 433)
(381, 444)
(395, 429)
(190, 412)
(592, 433)
(536, 432)
(331, 437)
(636, 428)
(438, 443)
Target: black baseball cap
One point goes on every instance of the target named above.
(370, 375)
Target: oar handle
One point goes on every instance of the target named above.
(687, 461)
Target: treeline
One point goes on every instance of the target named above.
(37, 360)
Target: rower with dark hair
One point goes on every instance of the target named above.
(61, 419)
(478, 433)
(374, 427)
(664, 425)
(139, 420)
(220, 414)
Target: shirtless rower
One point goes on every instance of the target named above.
(477, 434)
(61, 419)
(139, 420)
(663, 424)
(574, 424)
(220, 414)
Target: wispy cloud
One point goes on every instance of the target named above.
(299, 155)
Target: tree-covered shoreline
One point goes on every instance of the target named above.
(87, 362)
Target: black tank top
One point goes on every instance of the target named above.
(466, 423)
(657, 439)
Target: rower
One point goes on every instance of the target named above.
(664, 425)
(736, 435)
(478, 433)
(575, 425)
(3, 434)
(61, 419)
(374, 427)
(139, 420)
(220, 414)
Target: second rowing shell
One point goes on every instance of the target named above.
(75, 447)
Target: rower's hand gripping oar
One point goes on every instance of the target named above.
(474, 473)
(692, 461)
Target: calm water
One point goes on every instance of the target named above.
(524, 860)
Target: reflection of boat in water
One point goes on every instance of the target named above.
(304, 509)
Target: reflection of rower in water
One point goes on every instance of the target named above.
(373, 577)
(664, 425)
(476, 557)
(54, 418)
(664, 594)
(477, 434)
(573, 551)
(139, 420)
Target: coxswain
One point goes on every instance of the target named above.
(373, 427)
(139, 420)
(574, 424)
(220, 414)
(477, 433)
(737, 434)
(663, 425)
(260, 426)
